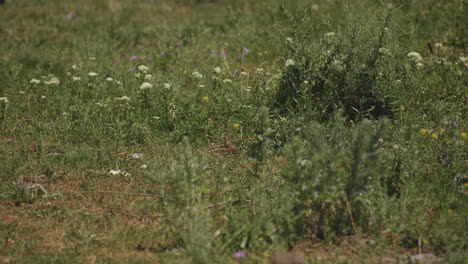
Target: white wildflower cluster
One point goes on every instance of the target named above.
(197, 75)
(109, 79)
(118, 172)
(35, 81)
(167, 86)
(146, 85)
(329, 34)
(53, 80)
(289, 40)
(227, 81)
(416, 58)
(149, 77)
(92, 74)
(289, 62)
(143, 68)
(4, 100)
(217, 70)
(123, 98)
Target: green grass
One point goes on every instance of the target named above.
(348, 150)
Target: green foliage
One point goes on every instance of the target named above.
(340, 70)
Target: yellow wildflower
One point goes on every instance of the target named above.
(435, 135)
(423, 131)
(465, 185)
(462, 134)
(205, 99)
(236, 125)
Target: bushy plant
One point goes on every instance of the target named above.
(340, 70)
(330, 173)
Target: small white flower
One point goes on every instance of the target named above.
(329, 34)
(75, 78)
(314, 7)
(74, 67)
(143, 68)
(21, 92)
(419, 65)
(201, 86)
(118, 82)
(4, 99)
(53, 80)
(167, 86)
(227, 81)
(148, 77)
(244, 74)
(217, 70)
(306, 82)
(138, 75)
(289, 40)
(35, 81)
(385, 51)
(414, 56)
(260, 70)
(92, 74)
(146, 85)
(43, 97)
(136, 155)
(289, 62)
(115, 172)
(123, 98)
(438, 45)
(92, 58)
(144, 166)
(101, 104)
(197, 75)
(463, 59)
(109, 79)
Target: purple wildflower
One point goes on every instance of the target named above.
(223, 54)
(163, 53)
(245, 50)
(10, 140)
(177, 45)
(240, 254)
(71, 15)
(134, 57)
(132, 69)
(149, 59)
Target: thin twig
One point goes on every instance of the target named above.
(348, 207)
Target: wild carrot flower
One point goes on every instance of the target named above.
(227, 81)
(74, 79)
(289, 62)
(197, 75)
(414, 56)
(109, 79)
(148, 77)
(4, 99)
(146, 85)
(53, 80)
(34, 81)
(167, 86)
(123, 98)
(92, 74)
(217, 70)
(143, 68)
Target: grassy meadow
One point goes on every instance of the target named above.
(217, 131)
